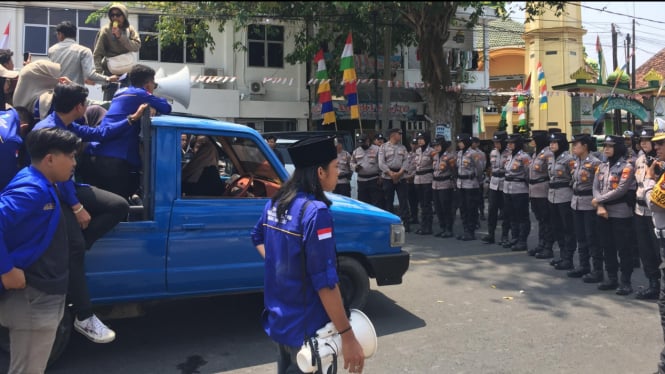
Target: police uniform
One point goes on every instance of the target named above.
(648, 243)
(344, 170)
(444, 164)
(631, 156)
(609, 191)
(378, 141)
(584, 214)
(365, 162)
(498, 158)
(410, 187)
(516, 193)
(423, 183)
(559, 195)
(393, 158)
(470, 165)
(538, 189)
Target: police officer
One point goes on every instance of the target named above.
(516, 191)
(343, 186)
(445, 168)
(394, 163)
(646, 239)
(609, 197)
(584, 214)
(498, 158)
(365, 162)
(559, 195)
(410, 187)
(423, 182)
(379, 140)
(632, 145)
(470, 164)
(538, 188)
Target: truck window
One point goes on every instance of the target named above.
(225, 167)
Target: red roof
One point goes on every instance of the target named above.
(656, 62)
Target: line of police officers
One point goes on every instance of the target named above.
(575, 194)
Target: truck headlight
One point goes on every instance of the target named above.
(397, 235)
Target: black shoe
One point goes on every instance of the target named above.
(609, 284)
(489, 239)
(564, 265)
(578, 272)
(545, 253)
(647, 294)
(519, 247)
(407, 228)
(439, 234)
(534, 251)
(509, 243)
(504, 240)
(555, 261)
(595, 276)
(424, 232)
(447, 234)
(624, 289)
(467, 236)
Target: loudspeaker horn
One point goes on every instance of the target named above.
(159, 74)
(176, 86)
(329, 342)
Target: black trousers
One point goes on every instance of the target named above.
(114, 175)
(520, 222)
(661, 306)
(287, 363)
(106, 210)
(495, 202)
(615, 239)
(586, 233)
(424, 194)
(389, 190)
(541, 210)
(561, 215)
(413, 201)
(343, 189)
(443, 205)
(470, 200)
(370, 192)
(649, 246)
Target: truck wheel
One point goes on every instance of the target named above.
(354, 283)
(62, 336)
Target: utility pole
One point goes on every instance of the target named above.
(632, 86)
(615, 62)
(632, 74)
(376, 77)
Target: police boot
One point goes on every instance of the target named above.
(545, 253)
(538, 248)
(650, 293)
(468, 235)
(510, 243)
(566, 262)
(595, 276)
(489, 238)
(625, 286)
(611, 283)
(519, 246)
(504, 240)
(579, 272)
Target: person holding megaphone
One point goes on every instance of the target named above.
(295, 237)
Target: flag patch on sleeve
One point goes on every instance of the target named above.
(325, 233)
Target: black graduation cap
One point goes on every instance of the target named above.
(318, 150)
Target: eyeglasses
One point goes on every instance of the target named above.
(115, 15)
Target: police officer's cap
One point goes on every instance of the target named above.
(500, 136)
(441, 140)
(552, 130)
(420, 135)
(363, 137)
(514, 137)
(395, 130)
(587, 139)
(539, 134)
(462, 137)
(414, 141)
(613, 139)
(475, 139)
(646, 134)
(558, 137)
(317, 150)
(379, 136)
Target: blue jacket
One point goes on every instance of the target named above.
(29, 216)
(286, 319)
(87, 134)
(125, 103)
(10, 146)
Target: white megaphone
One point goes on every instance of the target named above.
(159, 74)
(176, 86)
(329, 342)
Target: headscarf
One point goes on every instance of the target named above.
(205, 156)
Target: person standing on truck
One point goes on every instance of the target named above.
(345, 172)
(295, 237)
(34, 263)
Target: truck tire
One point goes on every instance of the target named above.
(62, 336)
(354, 282)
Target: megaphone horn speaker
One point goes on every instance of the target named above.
(177, 86)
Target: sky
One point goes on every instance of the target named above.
(597, 19)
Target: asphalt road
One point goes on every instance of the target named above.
(464, 307)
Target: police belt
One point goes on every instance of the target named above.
(444, 178)
(466, 176)
(583, 192)
(556, 185)
(515, 179)
(345, 176)
(641, 202)
(660, 234)
(367, 175)
(622, 199)
(395, 169)
(539, 180)
(423, 172)
(499, 174)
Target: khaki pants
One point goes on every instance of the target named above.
(32, 318)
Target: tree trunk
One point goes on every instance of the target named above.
(387, 76)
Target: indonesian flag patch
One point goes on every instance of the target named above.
(325, 233)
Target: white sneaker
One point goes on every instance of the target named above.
(94, 329)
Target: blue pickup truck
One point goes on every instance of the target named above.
(178, 245)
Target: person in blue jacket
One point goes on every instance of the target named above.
(93, 211)
(298, 219)
(15, 123)
(118, 162)
(34, 250)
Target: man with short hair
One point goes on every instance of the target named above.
(75, 60)
(272, 143)
(365, 162)
(394, 163)
(34, 250)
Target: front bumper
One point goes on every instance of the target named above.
(389, 269)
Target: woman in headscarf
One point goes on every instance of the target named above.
(200, 176)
